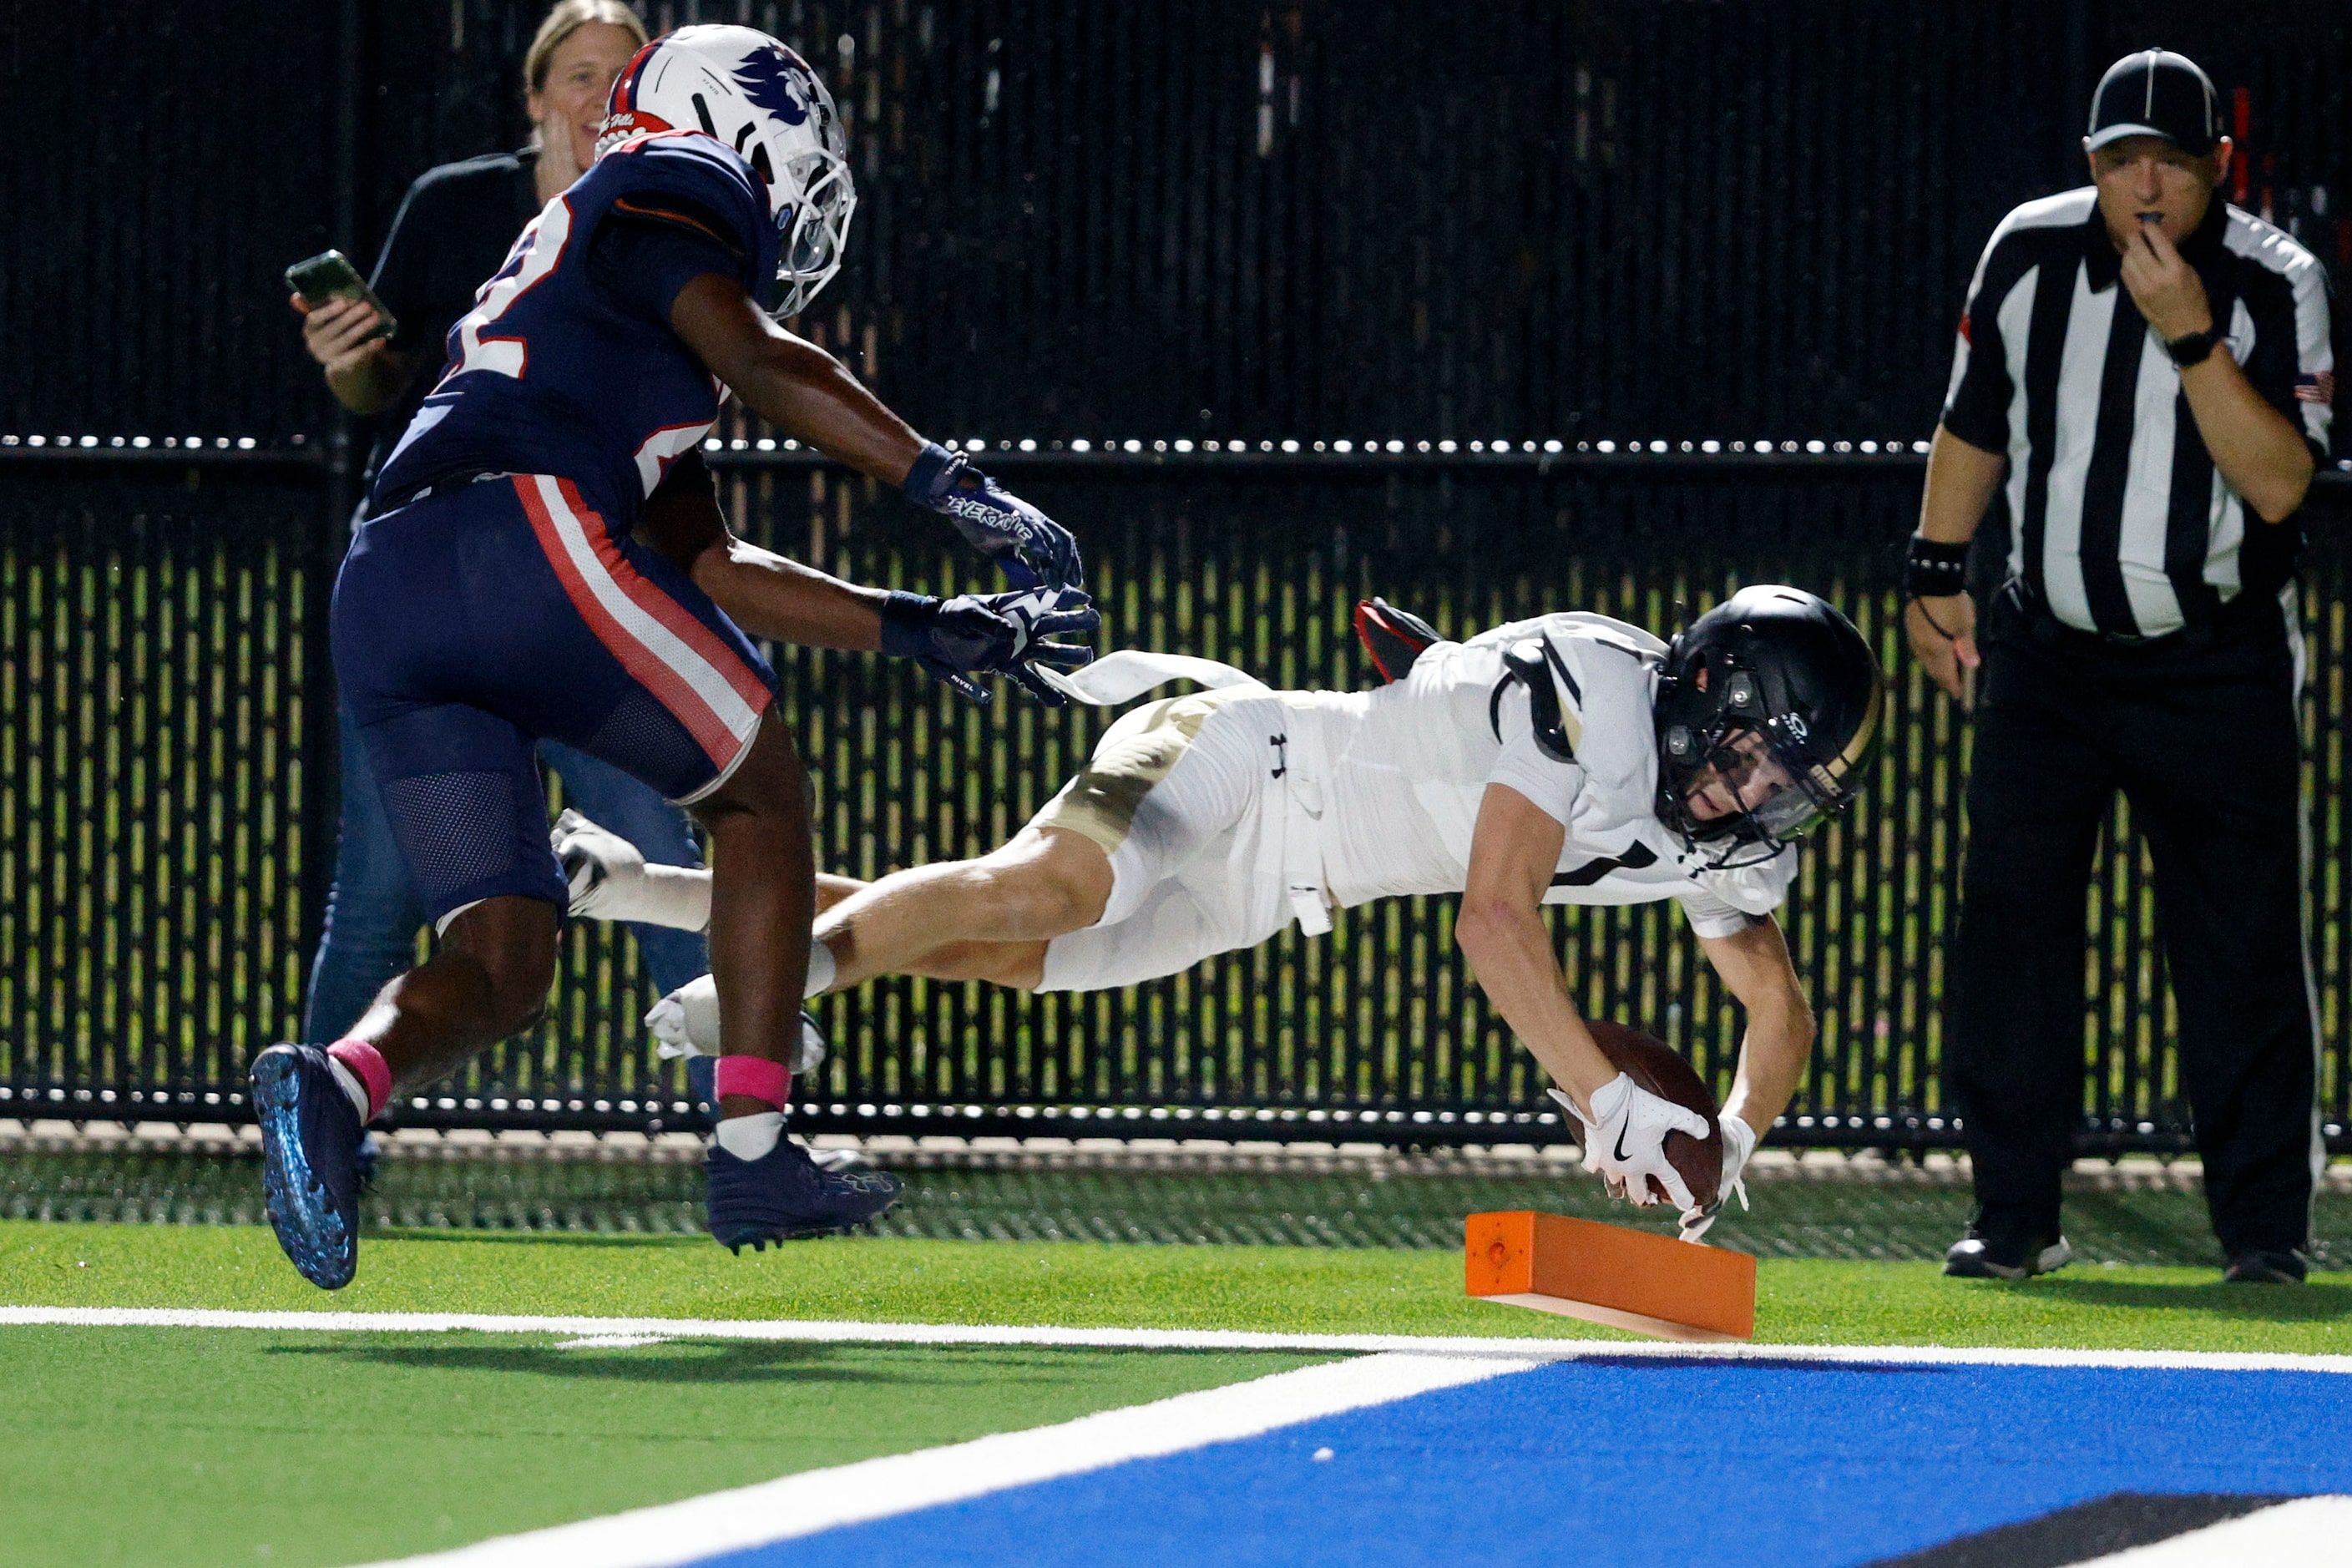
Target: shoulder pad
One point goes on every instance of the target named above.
(686, 181)
(1606, 631)
(685, 164)
(1533, 663)
(685, 214)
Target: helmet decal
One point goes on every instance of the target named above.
(625, 86)
(1865, 734)
(1829, 778)
(773, 80)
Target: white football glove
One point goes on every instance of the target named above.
(1738, 1143)
(1625, 1139)
(610, 880)
(685, 1023)
(602, 867)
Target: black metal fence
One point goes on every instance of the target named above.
(156, 819)
(160, 656)
(1224, 224)
(1529, 219)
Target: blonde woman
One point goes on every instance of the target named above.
(455, 223)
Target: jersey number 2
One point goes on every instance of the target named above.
(536, 252)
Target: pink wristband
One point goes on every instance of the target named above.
(755, 1076)
(367, 1064)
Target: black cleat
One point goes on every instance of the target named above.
(784, 1194)
(1978, 1256)
(2261, 1268)
(1393, 638)
(311, 1166)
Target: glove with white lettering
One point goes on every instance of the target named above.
(1738, 1143)
(1027, 546)
(999, 634)
(1625, 1139)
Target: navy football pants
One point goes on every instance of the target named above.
(368, 936)
(469, 624)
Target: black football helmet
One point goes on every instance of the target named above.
(1784, 665)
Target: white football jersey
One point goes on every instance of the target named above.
(1405, 766)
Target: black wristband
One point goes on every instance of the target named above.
(906, 623)
(934, 474)
(2192, 348)
(1935, 569)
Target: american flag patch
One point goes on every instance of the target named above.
(2320, 388)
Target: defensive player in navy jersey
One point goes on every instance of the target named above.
(545, 558)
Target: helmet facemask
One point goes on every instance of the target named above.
(813, 229)
(1752, 778)
(749, 92)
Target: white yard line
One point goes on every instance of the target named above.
(2309, 1533)
(877, 1488)
(1152, 1339)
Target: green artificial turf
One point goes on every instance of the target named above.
(152, 1446)
(1862, 1213)
(1293, 1290)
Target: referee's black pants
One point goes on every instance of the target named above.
(2200, 733)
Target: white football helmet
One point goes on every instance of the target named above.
(743, 88)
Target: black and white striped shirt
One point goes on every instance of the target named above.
(2121, 523)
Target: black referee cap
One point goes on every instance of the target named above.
(2156, 92)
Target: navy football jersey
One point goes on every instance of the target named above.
(568, 368)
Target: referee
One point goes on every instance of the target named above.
(2145, 372)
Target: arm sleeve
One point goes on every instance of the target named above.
(640, 261)
(1551, 784)
(1725, 903)
(2315, 379)
(1976, 401)
(2292, 363)
(1711, 916)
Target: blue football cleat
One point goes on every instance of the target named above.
(310, 1170)
(783, 1195)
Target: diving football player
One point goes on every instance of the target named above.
(544, 558)
(1567, 759)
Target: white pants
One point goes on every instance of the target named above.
(1178, 795)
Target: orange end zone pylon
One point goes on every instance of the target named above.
(1606, 1274)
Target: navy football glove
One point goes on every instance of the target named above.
(1000, 633)
(1029, 547)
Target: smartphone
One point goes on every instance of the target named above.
(331, 275)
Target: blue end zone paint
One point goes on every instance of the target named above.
(1635, 1463)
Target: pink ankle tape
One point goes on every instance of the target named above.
(755, 1076)
(367, 1064)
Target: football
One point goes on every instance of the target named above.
(1654, 1064)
